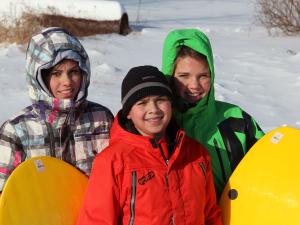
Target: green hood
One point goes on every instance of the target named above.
(224, 129)
(199, 42)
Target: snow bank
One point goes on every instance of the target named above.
(12, 10)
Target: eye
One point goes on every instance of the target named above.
(75, 71)
(162, 99)
(205, 76)
(142, 102)
(55, 73)
(182, 76)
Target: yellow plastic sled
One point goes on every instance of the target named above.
(265, 187)
(42, 191)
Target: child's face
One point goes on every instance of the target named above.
(64, 80)
(192, 79)
(151, 115)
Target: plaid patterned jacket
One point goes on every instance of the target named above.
(71, 130)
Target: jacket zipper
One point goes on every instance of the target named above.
(51, 140)
(166, 176)
(163, 155)
(167, 181)
(132, 199)
(166, 160)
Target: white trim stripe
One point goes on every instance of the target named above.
(144, 85)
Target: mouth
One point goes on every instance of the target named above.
(193, 96)
(155, 119)
(67, 92)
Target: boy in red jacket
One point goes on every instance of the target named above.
(151, 173)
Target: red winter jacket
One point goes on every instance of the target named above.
(132, 183)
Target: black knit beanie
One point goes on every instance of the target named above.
(140, 82)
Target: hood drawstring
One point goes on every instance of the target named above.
(67, 130)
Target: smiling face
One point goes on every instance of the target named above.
(64, 80)
(151, 115)
(191, 78)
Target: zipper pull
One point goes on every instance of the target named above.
(167, 179)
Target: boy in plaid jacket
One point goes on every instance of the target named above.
(60, 122)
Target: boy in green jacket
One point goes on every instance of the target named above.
(225, 129)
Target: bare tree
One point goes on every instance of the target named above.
(282, 14)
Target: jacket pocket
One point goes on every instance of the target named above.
(133, 197)
(88, 144)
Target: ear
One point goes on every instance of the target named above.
(128, 116)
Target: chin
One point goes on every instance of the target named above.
(67, 97)
(193, 101)
(159, 131)
(148, 132)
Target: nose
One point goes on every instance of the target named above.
(194, 84)
(65, 79)
(153, 107)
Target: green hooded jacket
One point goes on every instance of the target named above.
(224, 129)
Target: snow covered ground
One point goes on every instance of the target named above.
(258, 72)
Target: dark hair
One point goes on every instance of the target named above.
(185, 51)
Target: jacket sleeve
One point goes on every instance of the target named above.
(101, 204)
(212, 210)
(253, 131)
(11, 152)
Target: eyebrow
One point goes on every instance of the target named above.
(187, 73)
(58, 69)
